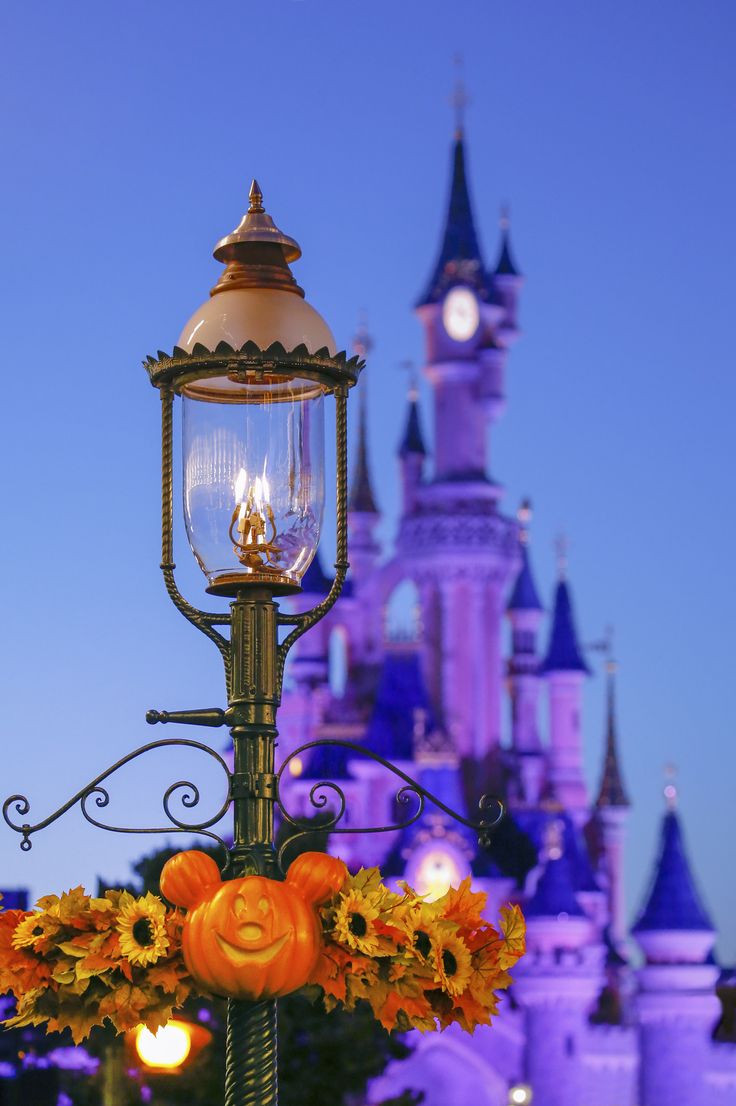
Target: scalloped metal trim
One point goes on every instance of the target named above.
(179, 366)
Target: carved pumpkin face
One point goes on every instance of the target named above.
(255, 937)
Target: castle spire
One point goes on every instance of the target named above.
(460, 260)
(611, 792)
(412, 441)
(361, 492)
(673, 902)
(505, 266)
(563, 652)
(524, 596)
(361, 497)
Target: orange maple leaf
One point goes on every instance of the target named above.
(463, 906)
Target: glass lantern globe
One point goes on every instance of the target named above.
(254, 479)
(253, 438)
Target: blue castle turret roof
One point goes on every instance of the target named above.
(563, 652)
(460, 260)
(316, 582)
(413, 440)
(400, 693)
(555, 892)
(524, 596)
(505, 266)
(673, 901)
(329, 762)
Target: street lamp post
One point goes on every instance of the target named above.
(252, 368)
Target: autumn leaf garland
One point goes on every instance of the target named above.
(78, 961)
(420, 965)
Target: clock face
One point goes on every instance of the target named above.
(460, 315)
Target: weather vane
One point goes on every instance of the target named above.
(561, 547)
(409, 367)
(670, 786)
(362, 341)
(459, 98)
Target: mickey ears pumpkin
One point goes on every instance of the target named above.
(317, 876)
(189, 877)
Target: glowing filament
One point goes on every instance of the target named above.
(253, 525)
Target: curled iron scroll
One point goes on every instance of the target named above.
(412, 790)
(95, 793)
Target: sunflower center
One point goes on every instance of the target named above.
(358, 925)
(37, 932)
(449, 963)
(143, 932)
(422, 942)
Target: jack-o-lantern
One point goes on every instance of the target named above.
(251, 938)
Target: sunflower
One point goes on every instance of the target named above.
(451, 962)
(354, 924)
(142, 928)
(29, 931)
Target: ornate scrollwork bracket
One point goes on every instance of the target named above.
(412, 792)
(95, 794)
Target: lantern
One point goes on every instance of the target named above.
(253, 365)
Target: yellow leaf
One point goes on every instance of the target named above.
(513, 928)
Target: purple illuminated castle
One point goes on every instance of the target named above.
(456, 697)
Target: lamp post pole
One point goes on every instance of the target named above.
(252, 367)
(254, 664)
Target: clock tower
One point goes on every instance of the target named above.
(462, 551)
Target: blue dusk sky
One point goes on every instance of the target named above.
(130, 135)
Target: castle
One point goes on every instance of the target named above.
(592, 1019)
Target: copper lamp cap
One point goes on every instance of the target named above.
(256, 227)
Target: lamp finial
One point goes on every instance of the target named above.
(255, 196)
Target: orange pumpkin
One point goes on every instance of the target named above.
(250, 938)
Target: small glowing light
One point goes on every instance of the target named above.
(436, 874)
(296, 766)
(167, 1048)
(520, 1094)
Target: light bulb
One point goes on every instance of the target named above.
(167, 1048)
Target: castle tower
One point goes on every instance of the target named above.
(677, 1004)
(524, 611)
(506, 282)
(460, 551)
(565, 670)
(558, 980)
(412, 454)
(611, 812)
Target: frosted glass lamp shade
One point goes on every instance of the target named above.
(260, 315)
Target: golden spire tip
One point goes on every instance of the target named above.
(255, 196)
